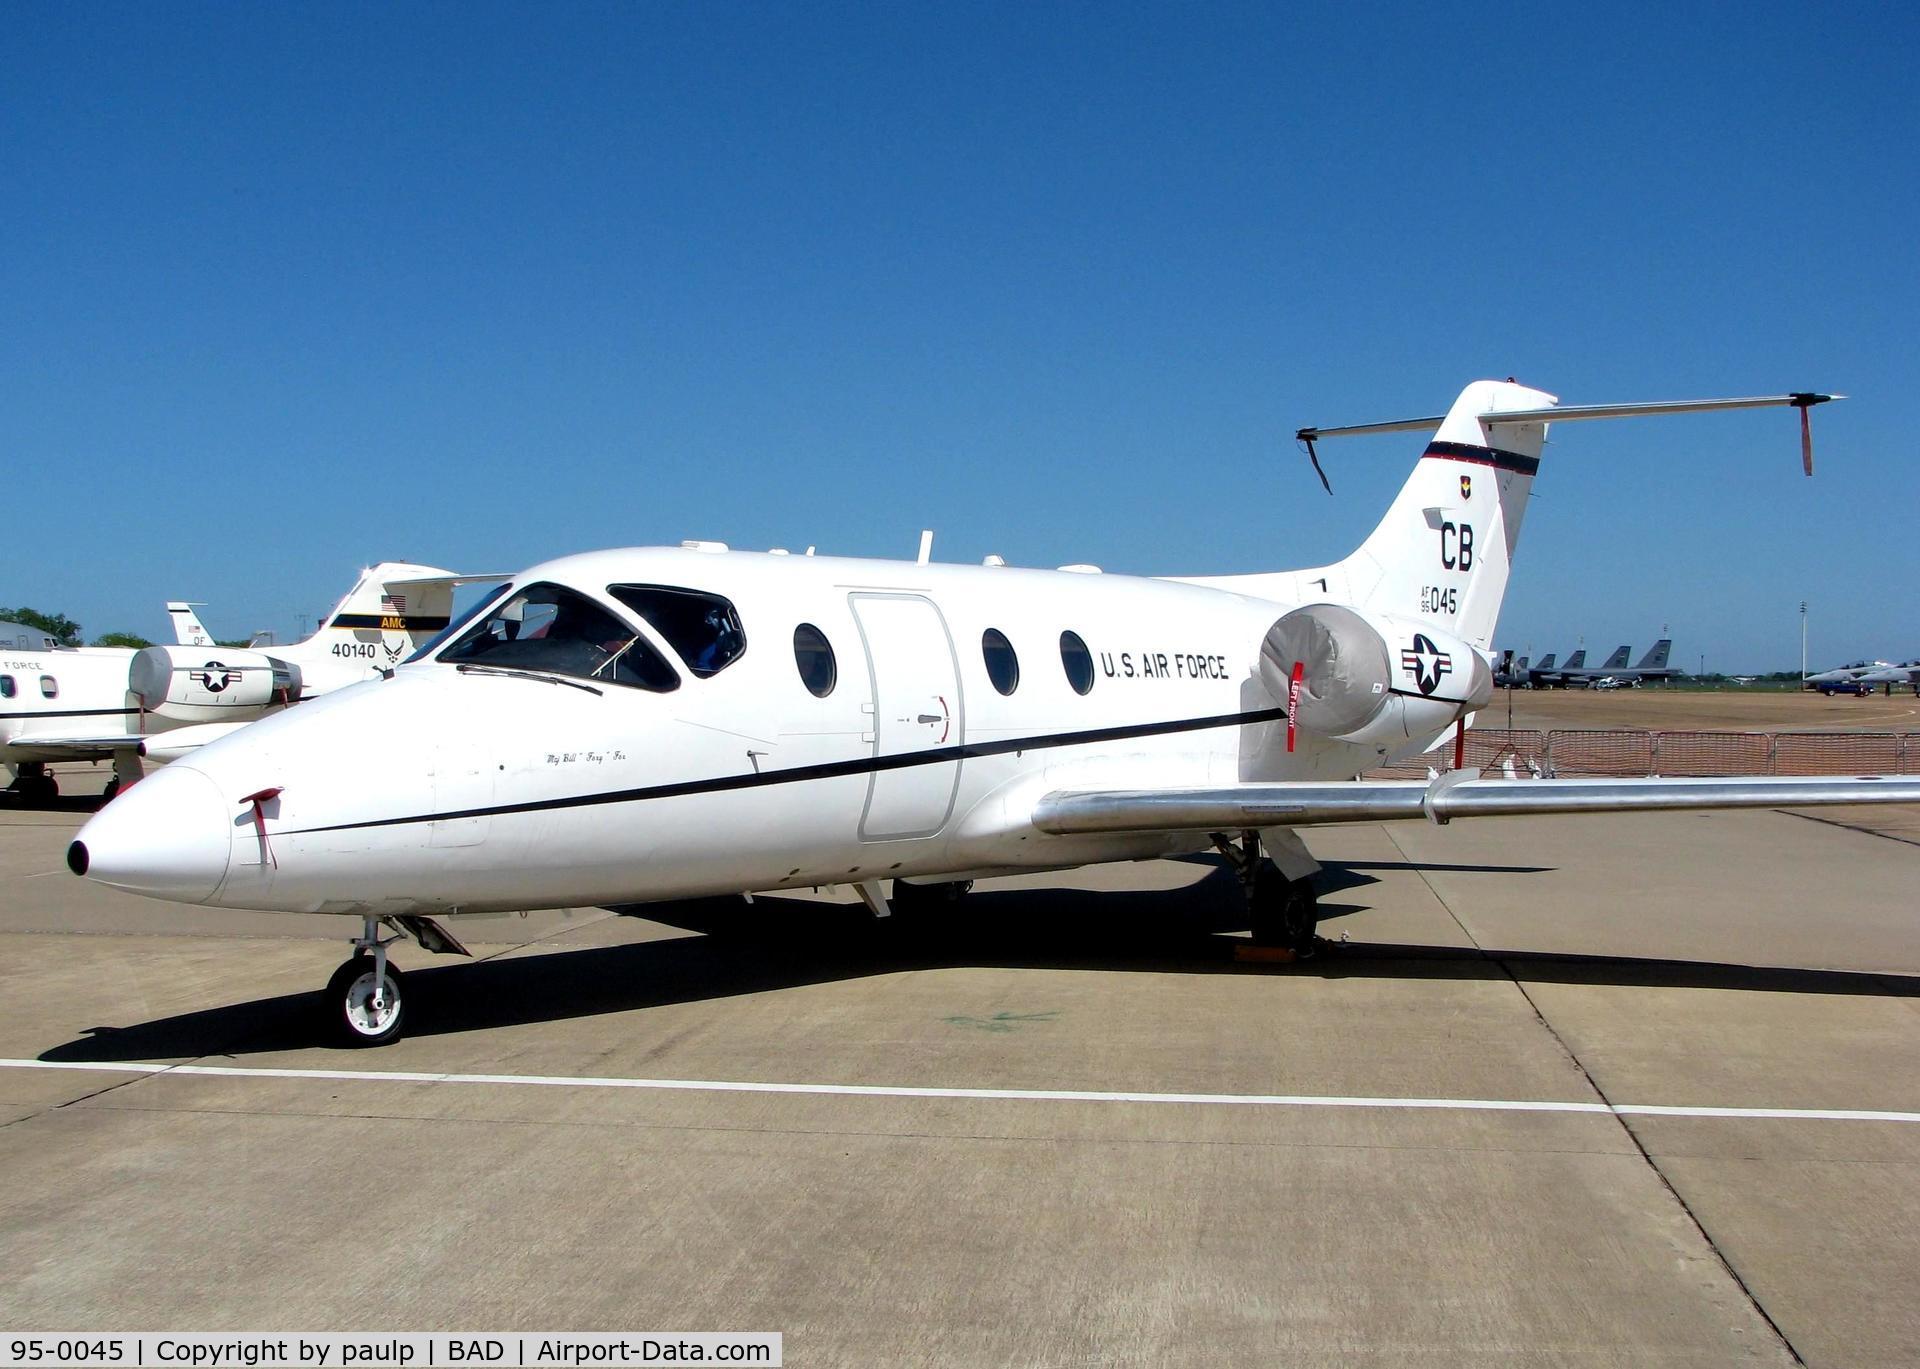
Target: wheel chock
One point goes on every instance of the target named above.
(1248, 953)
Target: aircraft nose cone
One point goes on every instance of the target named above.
(169, 836)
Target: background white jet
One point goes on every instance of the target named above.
(159, 702)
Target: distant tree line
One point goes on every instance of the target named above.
(67, 632)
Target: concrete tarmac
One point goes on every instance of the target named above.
(1753, 960)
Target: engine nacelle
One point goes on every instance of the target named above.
(197, 684)
(1370, 679)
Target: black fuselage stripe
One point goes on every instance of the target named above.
(864, 765)
(1484, 456)
(1431, 698)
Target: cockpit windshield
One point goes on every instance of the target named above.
(550, 628)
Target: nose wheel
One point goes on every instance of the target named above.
(365, 1000)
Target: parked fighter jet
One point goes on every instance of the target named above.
(1887, 676)
(118, 704)
(657, 723)
(1841, 679)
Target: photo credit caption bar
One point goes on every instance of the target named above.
(411, 1349)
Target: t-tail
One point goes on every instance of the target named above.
(395, 606)
(1444, 550)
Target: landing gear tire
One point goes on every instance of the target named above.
(359, 1016)
(1285, 912)
(112, 790)
(34, 786)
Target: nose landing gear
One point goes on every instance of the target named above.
(366, 998)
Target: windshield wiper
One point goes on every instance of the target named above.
(470, 668)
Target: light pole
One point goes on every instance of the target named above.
(1803, 641)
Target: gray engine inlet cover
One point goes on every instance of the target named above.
(1345, 668)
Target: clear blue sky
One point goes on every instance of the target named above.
(288, 289)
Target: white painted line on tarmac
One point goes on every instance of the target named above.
(1264, 1100)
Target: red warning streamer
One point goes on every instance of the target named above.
(1293, 700)
(1805, 402)
(260, 821)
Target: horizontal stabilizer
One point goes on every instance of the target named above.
(1562, 413)
(451, 580)
(1570, 412)
(1458, 794)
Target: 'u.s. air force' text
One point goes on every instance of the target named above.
(1163, 665)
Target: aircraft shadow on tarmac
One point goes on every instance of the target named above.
(782, 943)
(60, 803)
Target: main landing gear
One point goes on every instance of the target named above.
(1283, 910)
(366, 998)
(32, 785)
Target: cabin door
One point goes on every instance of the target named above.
(916, 712)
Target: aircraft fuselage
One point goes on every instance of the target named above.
(474, 790)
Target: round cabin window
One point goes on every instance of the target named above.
(1003, 667)
(1077, 661)
(813, 655)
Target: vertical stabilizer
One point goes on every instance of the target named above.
(186, 625)
(394, 608)
(1445, 548)
(1656, 659)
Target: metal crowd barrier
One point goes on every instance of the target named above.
(1634, 753)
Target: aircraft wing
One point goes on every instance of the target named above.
(74, 748)
(1457, 794)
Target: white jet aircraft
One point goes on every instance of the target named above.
(160, 702)
(657, 723)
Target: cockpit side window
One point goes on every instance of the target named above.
(554, 629)
(703, 628)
